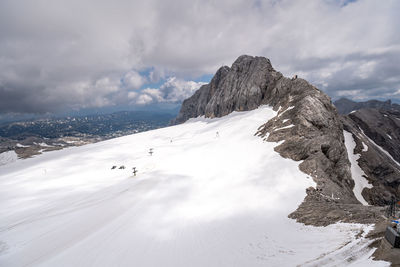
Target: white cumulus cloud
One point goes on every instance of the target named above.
(172, 91)
(134, 80)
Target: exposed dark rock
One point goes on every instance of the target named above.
(321, 210)
(241, 87)
(376, 131)
(316, 138)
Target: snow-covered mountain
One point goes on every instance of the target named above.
(211, 194)
(252, 148)
(307, 127)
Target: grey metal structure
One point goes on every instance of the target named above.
(392, 237)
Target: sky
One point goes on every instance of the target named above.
(72, 55)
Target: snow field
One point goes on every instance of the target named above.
(202, 199)
(8, 157)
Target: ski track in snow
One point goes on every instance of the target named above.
(202, 199)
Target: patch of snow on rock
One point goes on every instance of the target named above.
(356, 172)
(284, 127)
(43, 144)
(289, 108)
(365, 147)
(20, 145)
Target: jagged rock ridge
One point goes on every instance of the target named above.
(243, 86)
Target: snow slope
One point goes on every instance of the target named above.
(8, 157)
(202, 199)
(356, 172)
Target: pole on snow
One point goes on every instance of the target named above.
(134, 171)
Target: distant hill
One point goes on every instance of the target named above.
(100, 125)
(345, 105)
(32, 137)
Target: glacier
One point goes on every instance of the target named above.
(211, 194)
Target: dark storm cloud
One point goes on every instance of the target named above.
(57, 54)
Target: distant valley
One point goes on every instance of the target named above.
(24, 139)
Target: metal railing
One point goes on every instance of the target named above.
(393, 210)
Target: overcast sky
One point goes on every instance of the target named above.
(72, 54)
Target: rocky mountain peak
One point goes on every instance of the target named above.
(244, 62)
(239, 87)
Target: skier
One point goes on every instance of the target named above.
(151, 151)
(134, 171)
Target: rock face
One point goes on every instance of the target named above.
(377, 136)
(241, 87)
(306, 120)
(345, 106)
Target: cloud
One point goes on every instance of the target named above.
(133, 80)
(175, 90)
(73, 54)
(371, 75)
(172, 91)
(144, 99)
